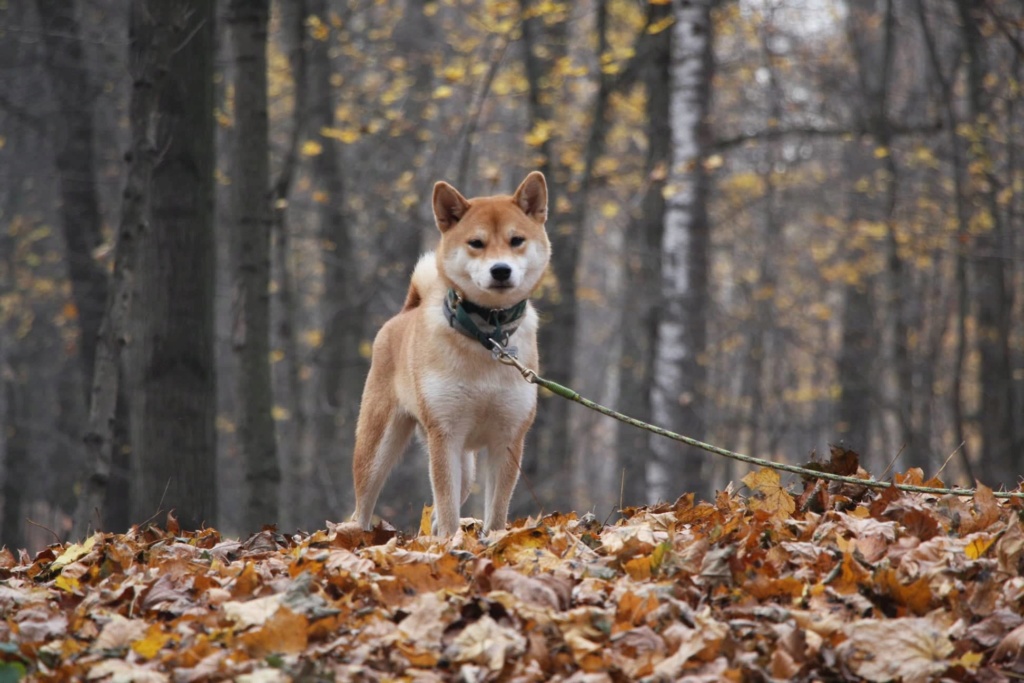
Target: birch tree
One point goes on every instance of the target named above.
(681, 331)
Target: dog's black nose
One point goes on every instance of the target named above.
(501, 271)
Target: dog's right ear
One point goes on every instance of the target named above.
(449, 206)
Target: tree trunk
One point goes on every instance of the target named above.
(341, 370)
(69, 77)
(991, 293)
(958, 168)
(17, 453)
(251, 190)
(858, 373)
(149, 60)
(172, 364)
(291, 433)
(680, 372)
(545, 465)
(642, 267)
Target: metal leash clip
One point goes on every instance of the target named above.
(509, 356)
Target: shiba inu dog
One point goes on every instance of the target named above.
(433, 366)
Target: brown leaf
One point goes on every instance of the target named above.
(635, 652)
(993, 629)
(488, 643)
(985, 511)
(545, 591)
(285, 632)
(119, 633)
(914, 649)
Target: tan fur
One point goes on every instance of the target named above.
(425, 373)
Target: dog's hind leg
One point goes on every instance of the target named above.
(380, 440)
(468, 476)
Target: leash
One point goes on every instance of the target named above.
(508, 357)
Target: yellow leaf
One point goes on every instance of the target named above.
(276, 356)
(314, 338)
(152, 643)
(74, 552)
(346, 135)
(977, 547)
(365, 348)
(609, 210)
(713, 162)
(317, 28)
(280, 413)
(540, 134)
(442, 92)
(881, 152)
(312, 148)
(425, 520)
(453, 73)
(662, 24)
(970, 660)
(769, 494)
(67, 583)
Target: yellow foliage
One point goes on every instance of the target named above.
(312, 148)
(346, 135)
(224, 425)
(540, 134)
(660, 25)
(748, 184)
(317, 28)
(314, 338)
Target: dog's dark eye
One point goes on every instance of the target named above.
(476, 244)
(517, 241)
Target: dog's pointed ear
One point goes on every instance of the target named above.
(532, 197)
(449, 206)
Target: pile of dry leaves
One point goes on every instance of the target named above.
(834, 583)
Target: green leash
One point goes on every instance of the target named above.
(507, 356)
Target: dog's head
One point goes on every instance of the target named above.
(493, 250)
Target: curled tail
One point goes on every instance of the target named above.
(424, 278)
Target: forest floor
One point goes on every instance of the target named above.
(834, 583)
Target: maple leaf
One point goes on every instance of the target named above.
(769, 495)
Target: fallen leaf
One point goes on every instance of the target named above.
(285, 632)
(914, 649)
(487, 643)
(768, 494)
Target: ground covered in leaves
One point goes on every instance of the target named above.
(837, 583)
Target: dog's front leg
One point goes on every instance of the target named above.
(446, 453)
(500, 472)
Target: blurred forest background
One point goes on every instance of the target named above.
(777, 224)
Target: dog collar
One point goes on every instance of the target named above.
(483, 324)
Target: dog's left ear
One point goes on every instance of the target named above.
(532, 197)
